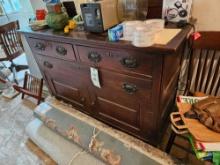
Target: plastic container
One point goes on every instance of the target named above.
(129, 28)
(40, 14)
(143, 37)
(155, 24)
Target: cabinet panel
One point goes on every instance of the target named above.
(118, 60)
(66, 79)
(122, 100)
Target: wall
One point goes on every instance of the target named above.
(23, 16)
(36, 4)
(207, 14)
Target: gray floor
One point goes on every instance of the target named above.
(14, 116)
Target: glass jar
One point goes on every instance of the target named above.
(132, 9)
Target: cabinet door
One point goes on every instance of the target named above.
(123, 101)
(66, 80)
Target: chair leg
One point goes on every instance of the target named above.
(13, 70)
(21, 67)
(38, 101)
(170, 142)
(22, 96)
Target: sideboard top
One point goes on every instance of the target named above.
(82, 37)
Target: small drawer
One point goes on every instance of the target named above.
(63, 51)
(39, 46)
(119, 60)
(54, 49)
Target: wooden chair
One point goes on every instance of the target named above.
(203, 71)
(11, 44)
(32, 87)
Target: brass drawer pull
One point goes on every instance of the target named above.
(40, 46)
(129, 62)
(83, 99)
(48, 65)
(61, 50)
(94, 57)
(129, 88)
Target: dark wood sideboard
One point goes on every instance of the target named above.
(138, 85)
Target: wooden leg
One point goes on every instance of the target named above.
(38, 101)
(170, 142)
(13, 70)
(25, 83)
(22, 96)
(40, 92)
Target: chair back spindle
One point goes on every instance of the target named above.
(203, 71)
(10, 41)
(32, 87)
(204, 67)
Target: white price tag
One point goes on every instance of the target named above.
(94, 74)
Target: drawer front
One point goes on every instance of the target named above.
(121, 100)
(65, 79)
(119, 60)
(54, 49)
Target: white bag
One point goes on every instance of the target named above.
(177, 10)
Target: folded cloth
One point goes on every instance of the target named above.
(207, 111)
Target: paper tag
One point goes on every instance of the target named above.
(196, 35)
(94, 74)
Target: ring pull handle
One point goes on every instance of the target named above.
(94, 57)
(48, 65)
(40, 46)
(61, 50)
(129, 62)
(129, 88)
(83, 99)
(93, 103)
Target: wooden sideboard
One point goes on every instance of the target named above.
(138, 85)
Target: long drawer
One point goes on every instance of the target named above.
(118, 60)
(60, 50)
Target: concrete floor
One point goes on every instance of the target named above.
(14, 116)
